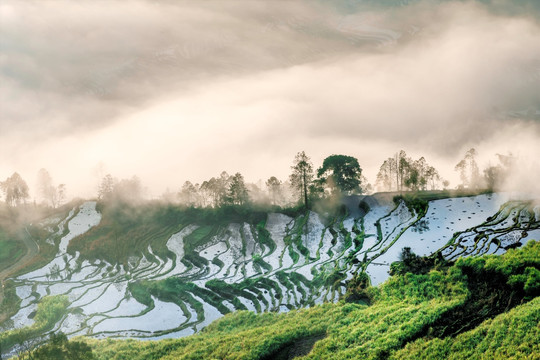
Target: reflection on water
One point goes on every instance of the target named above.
(421, 226)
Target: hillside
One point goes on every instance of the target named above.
(479, 308)
(158, 271)
(411, 316)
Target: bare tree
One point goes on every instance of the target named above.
(385, 176)
(189, 194)
(53, 195)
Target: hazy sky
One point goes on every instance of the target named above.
(181, 90)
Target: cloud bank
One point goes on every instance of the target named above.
(173, 91)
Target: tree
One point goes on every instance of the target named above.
(274, 188)
(189, 194)
(394, 172)
(341, 173)
(60, 194)
(15, 189)
(106, 187)
(491, 176)
(403, 166)
(432, 177)
(256, 194)
(125, 190)
(216, 189)
(302, 176)
(44, 183)
(367, 188)
(401, 172)
(495, 176)
(237, 193)
(416, 176)
(50, 193)
(205, 192)
(59, 347)
(223, 183)
(385, 176)
(468, 170)
(445, 183)
(413, 179)
(421, 166)
(128, 189)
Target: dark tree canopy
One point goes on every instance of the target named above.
(341, 173)
(216, 189)
(59, 348)
(237, 193)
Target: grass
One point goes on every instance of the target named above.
(401, 321)
(198, 237)
(10, 302)
(402, 311)
(50, 310)
(41, 235)
(127, 230)
(513, 335)
(11, 250)
(47, 251)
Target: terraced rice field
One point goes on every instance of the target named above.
(277, 265)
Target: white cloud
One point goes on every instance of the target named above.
(174, 92)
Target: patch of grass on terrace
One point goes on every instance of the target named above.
(11, 250)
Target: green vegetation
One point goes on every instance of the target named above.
(124, 231)
(34, 227)
(10, 302)
(513, 335)
(177, 291)
(197, 237)
(428, 297)
(50, 310)
(412, 263)
(39, 234)
(341, 174)
(11, 250)
(484, 307)
(415, 203)
(59, 348)
(127, 230)
(418, 200)
(264, 237)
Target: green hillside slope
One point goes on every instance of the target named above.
(484, 307)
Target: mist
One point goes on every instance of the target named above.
(175, 91)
